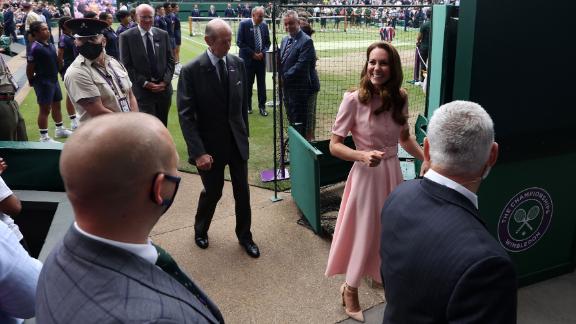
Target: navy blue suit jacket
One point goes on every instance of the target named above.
(439, 263)
(246, 41)
(9, 20)
(298, 69)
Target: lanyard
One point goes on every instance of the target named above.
(109, 80)
(122, 101)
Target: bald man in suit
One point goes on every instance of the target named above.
(106, 270)
(213, 109)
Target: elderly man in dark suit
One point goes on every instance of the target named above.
(147, 55)
(106, 270)
(213, 109)
(297, 70)
(439, 262)
(253, 39)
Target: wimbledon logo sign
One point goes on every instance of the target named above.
(525, 219)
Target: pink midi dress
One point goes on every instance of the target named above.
(356, 241)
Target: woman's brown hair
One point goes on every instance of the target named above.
(392, 99)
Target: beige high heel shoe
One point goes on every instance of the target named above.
(351, 303)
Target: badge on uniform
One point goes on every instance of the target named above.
(124, 105)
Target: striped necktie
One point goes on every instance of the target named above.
(257, 39)
(287, 49)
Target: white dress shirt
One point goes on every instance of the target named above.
(146, 251)
(214, 60)
(440, 179)
(143, 33)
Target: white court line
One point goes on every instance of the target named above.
(194, 41)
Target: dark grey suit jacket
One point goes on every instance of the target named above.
(133, 56)
(86, 281)
(209, 123)
(439, 263)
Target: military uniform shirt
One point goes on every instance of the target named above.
(82, 81)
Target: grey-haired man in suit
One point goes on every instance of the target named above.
(213, 109)
(147, 55)
(106, 270)
(439, 262)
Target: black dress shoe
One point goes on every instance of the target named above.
(263, 111)
(251, 248)
(201, 241)
(250, 110)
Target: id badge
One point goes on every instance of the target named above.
(124, 105)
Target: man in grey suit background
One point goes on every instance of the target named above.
(147, 55)
(213, 110)
(106, 270)
(439, 262)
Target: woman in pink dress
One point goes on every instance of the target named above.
(376, 114)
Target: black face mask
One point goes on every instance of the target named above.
(90, 51)
(167, 202)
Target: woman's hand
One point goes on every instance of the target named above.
(372, 158)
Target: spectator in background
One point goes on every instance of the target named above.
(212, 11)
(169, 18)
(311, 126)
(239, 10)
(42, 73)
(253, 39)
(177, 37)
(123, 16)
(387, 33)
(66, 9)
(90, 15)
(110, 35)
(5, 42)
(434, 245)
(229, 12)
(134, 16)
(29, 17)
(297, 65)
(46, 13)
(160, 20)
(9, 23)
(247, 11)
(113, 272)
(146, 53)
(66, 55)
(407, 18)
(377, 117)
(423, 45)
(195, 21)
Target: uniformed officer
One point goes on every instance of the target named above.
(96, 82)
(12, 126)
